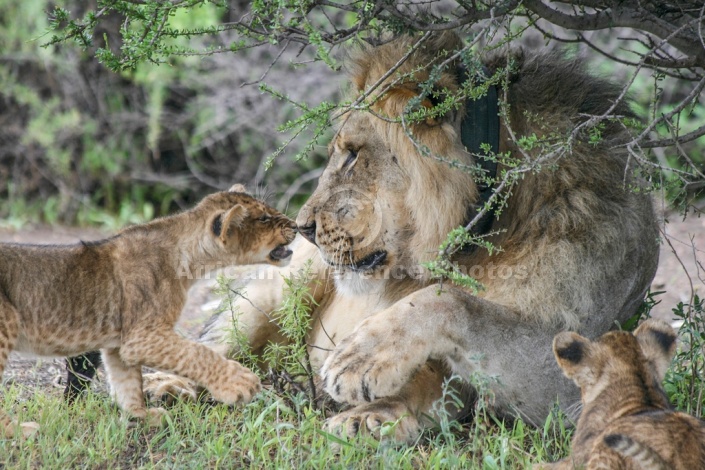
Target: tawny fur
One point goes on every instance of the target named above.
(125, 294)
(627, 422)
(579, 249)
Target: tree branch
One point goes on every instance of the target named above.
(689, 137)
(640, 19)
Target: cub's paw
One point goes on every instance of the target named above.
(236, 385)
(372, 363)
(166, 389)
(384, 420)
(156, 417)
(150, 417)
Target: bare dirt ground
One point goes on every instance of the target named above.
(680, 274)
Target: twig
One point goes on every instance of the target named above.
(296, 185)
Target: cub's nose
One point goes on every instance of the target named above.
(309, 232)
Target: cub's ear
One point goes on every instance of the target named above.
(571, 351)
(222, 224)
(238, 188)
(217, 225)
(658, 343)
(570, 347)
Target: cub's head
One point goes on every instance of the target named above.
(618, 357)
(242, 230)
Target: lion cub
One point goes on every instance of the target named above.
(125, 294)
(627, 422)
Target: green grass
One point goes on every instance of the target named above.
(271, 432)
(280, 430)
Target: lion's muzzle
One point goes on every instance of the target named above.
(370, 261)
(309, 232)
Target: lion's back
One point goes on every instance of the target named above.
(579, 237)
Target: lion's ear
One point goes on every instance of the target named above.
(658, 344)
(443, 42)
(238, 188)
(233, 218)
(394, 102)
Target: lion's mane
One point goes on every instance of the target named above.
(566, 227)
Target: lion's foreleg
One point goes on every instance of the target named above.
(482, 342)
(401, 417)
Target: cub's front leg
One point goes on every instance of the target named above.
(126, 388)
(262, 297)
(163, 349)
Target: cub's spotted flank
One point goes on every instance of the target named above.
(627, 422)
(124, 295)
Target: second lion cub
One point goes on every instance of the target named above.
(627, 422)
(125, 294)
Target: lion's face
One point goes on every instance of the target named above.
(383, 205)
(357, 216)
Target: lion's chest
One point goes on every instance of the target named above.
(336, 317)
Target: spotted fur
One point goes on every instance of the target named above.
(627, 422)
(124, 295)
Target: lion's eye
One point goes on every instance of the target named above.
(264, 218)
(351, 158)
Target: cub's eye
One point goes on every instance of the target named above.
(351, 158)
(264, 218)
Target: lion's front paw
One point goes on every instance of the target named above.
(371, 363)
(384, 420)
(168, 388)
(237, 385)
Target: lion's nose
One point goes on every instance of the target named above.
(309, 232)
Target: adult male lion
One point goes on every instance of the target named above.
(578, 249)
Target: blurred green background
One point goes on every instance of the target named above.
(80, 144)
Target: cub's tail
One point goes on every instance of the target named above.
(643, 456)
